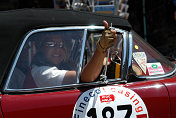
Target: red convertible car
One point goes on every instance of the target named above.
(136, 80)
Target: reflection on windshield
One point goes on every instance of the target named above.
(47, 59)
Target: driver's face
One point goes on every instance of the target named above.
(54, 50)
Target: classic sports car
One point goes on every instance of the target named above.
(136, 80)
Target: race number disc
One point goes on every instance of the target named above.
(110, 102)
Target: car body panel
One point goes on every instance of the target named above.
(155, 97)
(61, 103)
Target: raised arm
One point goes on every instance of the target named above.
(93, 68)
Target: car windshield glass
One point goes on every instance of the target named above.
(48, 58)
(147, 61)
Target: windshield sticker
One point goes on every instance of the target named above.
(136, 47)
(141, 59)
(110, 102)
(155, 68)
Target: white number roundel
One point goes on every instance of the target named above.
(110, 102)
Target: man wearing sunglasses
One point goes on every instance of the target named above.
(53, 53)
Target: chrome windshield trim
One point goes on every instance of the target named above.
(130, 53)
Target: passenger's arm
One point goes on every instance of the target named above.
(93, 68)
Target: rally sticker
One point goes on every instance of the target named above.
(141, 59)
(110, 102)
(155, 68)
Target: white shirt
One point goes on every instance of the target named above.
(46, 76)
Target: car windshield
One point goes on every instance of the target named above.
(147, 61)
(44, 52)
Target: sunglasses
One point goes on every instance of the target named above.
(54, 44)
